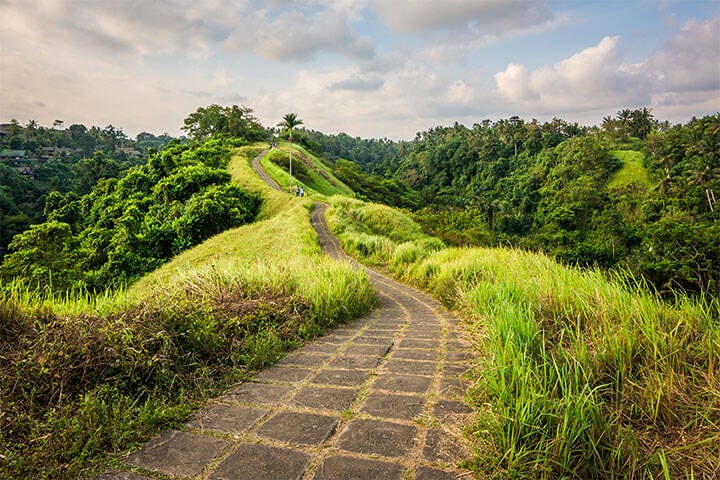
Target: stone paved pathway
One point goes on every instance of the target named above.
(376, 398)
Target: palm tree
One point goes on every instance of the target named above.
(290, 121)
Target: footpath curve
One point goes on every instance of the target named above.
(377, 398)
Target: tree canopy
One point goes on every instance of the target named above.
(229, 122)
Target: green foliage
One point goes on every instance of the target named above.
(591, 197)
(375, 188)
(217, 121)
(289, 122)
(37, 162)
(308, 170)
(124, 228)
(214, 210)
(379, 234)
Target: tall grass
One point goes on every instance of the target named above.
(579, 374)
(86, 378)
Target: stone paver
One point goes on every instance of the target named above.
(326, 398)
(226, 418)
(428, 473)
(387, 405)
(260, 462)
(377, 398)
(297, 427)
(257, 393)
(178, 453)
(377, 437)
(403, 383)
(348, 468)
(344, 378)
(442, 447)
(117, 475)
(285, 374)
(411, 367)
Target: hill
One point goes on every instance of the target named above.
(614, 196)
(579, 374)
(308, 170)
(85, 378)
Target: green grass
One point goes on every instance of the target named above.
(308, 170)
(85, 379)
(632, 171)
(629, 185)
(373, 231)
(578, 375)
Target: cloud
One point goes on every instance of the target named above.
(682, 75)
(359, 84)
(479, 16)
(593, 78)
(514, 83)
(294, 35)
(196, 29)
(135, 28)
(690, 60)
(460, 93)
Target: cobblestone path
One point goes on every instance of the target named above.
(377, 398)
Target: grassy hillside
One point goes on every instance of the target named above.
(578, 374)
(85, 379)
(308, 170)
(631, 171)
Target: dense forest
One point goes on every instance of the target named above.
(109, 222)
(633, 193)
(37, 160)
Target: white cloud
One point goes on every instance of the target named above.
(461, 93)
(691, 60)
(682, 76)
(593, 78)
(513, 83)
(359, 83)
(145, 65)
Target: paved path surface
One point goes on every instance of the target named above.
(376, 398)
(262, 173)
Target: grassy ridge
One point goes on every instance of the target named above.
(308, 170)
(85, 378)
(578, 375)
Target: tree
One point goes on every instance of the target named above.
(218, 121)
(290, 121)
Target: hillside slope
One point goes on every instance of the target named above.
(308, 170)
(93, 376)
(578, 374)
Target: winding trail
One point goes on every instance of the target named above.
(377, 398)
(262, 173)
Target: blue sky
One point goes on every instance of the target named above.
(370, 68)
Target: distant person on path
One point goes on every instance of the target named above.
(302, 191)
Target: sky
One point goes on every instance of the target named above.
(369, 68)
